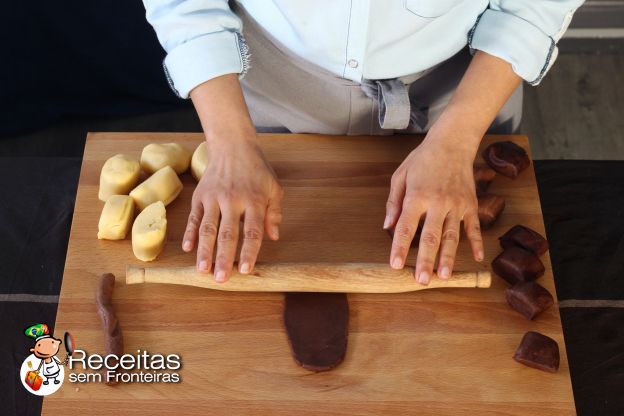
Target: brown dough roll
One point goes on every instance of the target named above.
(113, 340)
(317, 325)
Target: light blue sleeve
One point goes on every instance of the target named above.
(202, 39)
(524, 33)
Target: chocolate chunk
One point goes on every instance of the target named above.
(483, 176)
(490, 208)
(516, 264)
(317, 324)
(506, 158)
(524, 237)
(538, 351)
(528, 298)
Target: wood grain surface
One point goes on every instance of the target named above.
(431, 352)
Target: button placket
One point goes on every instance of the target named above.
(356, 42)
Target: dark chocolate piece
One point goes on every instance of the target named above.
(483, 176)
(524, 237)
(490, 208)
(538, 351)
(113, 340)
(506, 158)
(317, 324)
(516, 264)
(529, 298)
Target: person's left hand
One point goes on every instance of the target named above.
(435, 181)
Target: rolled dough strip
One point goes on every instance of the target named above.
(317, 328)
(309, 277)
(113, 340)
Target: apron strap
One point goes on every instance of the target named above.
(395, 110)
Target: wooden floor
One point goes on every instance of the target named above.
(577, 112)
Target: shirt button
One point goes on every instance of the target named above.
(353, 63)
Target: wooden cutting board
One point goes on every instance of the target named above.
(429, 352)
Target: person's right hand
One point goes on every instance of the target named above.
(238, 184)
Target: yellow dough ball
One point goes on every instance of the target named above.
(149, 231)
(156, 156)
(116, 218)
(164, 185)
(199, 161)
(119, 175)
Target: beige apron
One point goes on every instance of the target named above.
(286, 93)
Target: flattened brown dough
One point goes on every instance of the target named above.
(317, 328)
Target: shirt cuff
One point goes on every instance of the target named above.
(530, 51)
(204, 58)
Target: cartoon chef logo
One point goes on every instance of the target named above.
(42, 373)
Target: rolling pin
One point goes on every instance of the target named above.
(308, 277)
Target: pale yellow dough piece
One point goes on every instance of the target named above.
(119, 175)
(116, 218)
(156, 156)
(164, 186)
(199, 161)
(149, 231)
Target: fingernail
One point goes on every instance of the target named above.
(445, 273)
(423, 278)
(387, 221)
(203, 265)
(397, 263)
(187, 245)
(480, 255)
(220, 276)
(275, 231)
(244, 268)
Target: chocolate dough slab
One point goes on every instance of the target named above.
(538, 351)
(317, 325)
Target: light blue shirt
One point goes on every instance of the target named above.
(372, 39)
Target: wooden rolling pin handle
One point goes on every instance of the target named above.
(309, 277)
